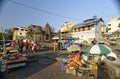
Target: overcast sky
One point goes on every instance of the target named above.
(14, 13)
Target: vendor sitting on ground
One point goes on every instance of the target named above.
(76, 60)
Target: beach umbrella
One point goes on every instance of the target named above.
(73, 48)
(98, 49)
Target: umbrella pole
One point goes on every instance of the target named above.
(93, 58)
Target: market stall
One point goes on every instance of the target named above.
(12, 59)
(74, 64)
(65, 42)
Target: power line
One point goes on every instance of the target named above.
(51, 13)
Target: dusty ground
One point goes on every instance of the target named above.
(54, 72)
(36, 69)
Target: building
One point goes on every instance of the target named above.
(113, 25)
(19, 32)
(88, 30)
(112, 29)
(65, 29)
(38, 33)
(65, 39)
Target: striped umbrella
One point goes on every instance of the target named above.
(98, 49)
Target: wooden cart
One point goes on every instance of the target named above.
(12, 59)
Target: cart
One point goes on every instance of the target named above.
(12, 59)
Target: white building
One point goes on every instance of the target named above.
(113, 25)
(19, 32)
(88, 30)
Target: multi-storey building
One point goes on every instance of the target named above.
(112, 29)
(65, 29)
(65, 35)
(19, 33)
(88, 30)
(113, 25)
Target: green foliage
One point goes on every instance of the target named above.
(7, 34)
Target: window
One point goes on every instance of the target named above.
(74, 29)
(88, 27)
(118, 18)
(47, 37)
(83, 28)
(119, 25)
(109, 24)
(78, 29)
(22, 29)
(16, 28)
(20, 33)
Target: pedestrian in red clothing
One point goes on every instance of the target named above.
(27, 46)
(13, 44)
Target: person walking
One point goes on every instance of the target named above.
(30, 46)
(27, 46)
(13, 44)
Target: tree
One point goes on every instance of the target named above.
(9, 34)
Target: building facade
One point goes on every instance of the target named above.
(19, 33)
(33, 32)
(112, 29)
(88, 30)
(38, 33)
(65, 39)
(113, 25)
(65, 29)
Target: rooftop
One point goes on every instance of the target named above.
(87, 22)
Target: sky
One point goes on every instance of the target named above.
(14, 13)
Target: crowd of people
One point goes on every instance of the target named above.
(28, 46)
